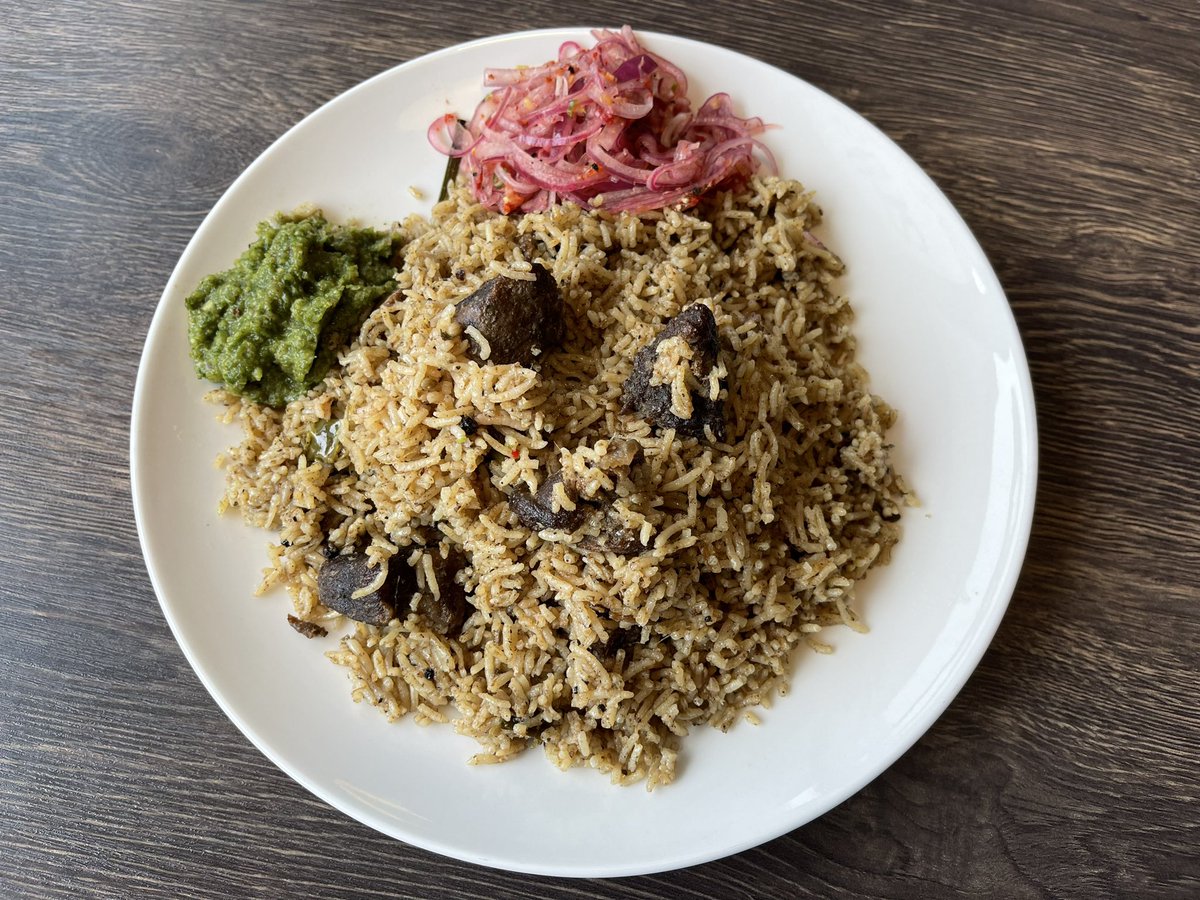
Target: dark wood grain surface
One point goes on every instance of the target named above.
(1067, 134)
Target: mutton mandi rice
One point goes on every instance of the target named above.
(676, 572)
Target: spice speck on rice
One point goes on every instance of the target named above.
(625, 528)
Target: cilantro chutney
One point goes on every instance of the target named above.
(270, 327)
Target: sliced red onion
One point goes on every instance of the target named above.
(501, 77)
(676, 174)
(449, 137)
(635, 67)
(614, 165)
(558, 140)
(633, 109)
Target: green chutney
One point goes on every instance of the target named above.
(270, 327)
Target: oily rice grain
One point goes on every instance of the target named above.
(748, 547)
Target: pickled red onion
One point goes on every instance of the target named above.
(609, 126)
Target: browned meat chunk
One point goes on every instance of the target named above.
(514, 317)
(537, 512)
(308, 629)
(446, 612)
(342, 577)
(696, 325)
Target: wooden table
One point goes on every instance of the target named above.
(1067, 134)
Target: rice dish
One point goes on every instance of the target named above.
(736, 546)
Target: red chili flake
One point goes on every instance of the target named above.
(516, 454)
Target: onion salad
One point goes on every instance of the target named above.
(608, 126)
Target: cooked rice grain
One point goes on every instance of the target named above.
(750, 546)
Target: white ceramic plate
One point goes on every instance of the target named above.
(938, 338)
